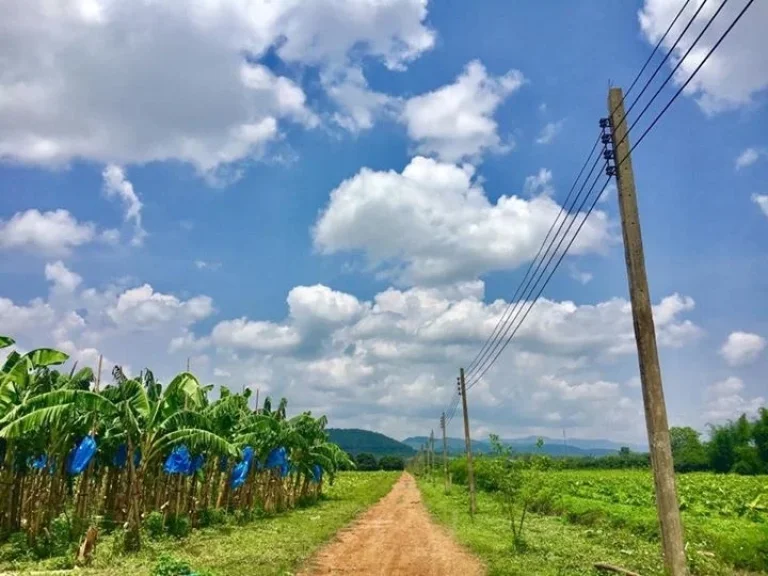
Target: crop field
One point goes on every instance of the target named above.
(725, 515)
(701, 494)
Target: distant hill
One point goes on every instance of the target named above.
(526, 446)
(354, 441)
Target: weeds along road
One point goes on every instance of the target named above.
(396, 537)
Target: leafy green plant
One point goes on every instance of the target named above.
(153, 524)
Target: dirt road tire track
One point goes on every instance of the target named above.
(395, 537)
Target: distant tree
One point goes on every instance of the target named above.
(688, 453)
(391, 463)
(366, 462)
(624, 451)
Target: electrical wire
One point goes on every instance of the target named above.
(489, 345)
(642, 137)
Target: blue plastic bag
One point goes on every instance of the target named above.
(277, 458)
(317, 473)
(241, 469)
(120, 457)
(82, 454)
(39, 462)
(178, 461)
(197, 463)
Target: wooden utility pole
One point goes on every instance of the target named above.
(650, 374)
(431, 452)
(470, 466)
(445, 452)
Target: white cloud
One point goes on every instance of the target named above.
(259, 336)
(579, 275)
(548, 133)
(762, 202)
(540, 183)
(206, 265)
(56, 232)
(116, 185)
(143, 308)
(359, 105)
(725, 401)
(455, 122)
(62, 277)
(742, 348)
(182, 79)
(736, 72)
(749, 157)
(433, 223)
(334, 353)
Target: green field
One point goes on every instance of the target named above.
(265, 546)
(613, 513)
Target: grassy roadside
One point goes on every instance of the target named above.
(266, 546)
(555, 547)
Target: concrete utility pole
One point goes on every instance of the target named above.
(445, 452)
(650, 374)
(470, 466)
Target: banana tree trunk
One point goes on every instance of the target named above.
(133, 533)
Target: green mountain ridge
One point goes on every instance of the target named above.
(524, 446)
(355, 441)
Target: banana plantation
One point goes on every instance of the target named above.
(112, 456)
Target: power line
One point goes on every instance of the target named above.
(518, 303)
(489, 345)
(478, 358)
(642, 137)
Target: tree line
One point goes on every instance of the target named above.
(367, 462)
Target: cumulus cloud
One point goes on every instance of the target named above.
(455, 122)
(549, 132)
(433, 223)
(742, 348)
(736, 72)
(116, 185)
(134, 82)
(749, 157)
(762, 202)
(358, 104)
(725, 401)
(359, 360)
(56, 232)
(62, 277)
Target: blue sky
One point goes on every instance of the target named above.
(332, 200)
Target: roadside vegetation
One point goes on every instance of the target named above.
(725, 515)
(267, 544)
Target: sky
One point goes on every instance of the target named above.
(335, 200)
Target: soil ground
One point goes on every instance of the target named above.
(396, 537)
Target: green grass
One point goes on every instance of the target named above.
(266, 546)
(554, 545)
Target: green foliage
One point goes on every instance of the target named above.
(179, 526)
(688, 452)
(740, 446)
(366, 462)
(392, 463)
(212, 517)
(153, 525)
(169, 566)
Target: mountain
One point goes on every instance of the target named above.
(527, 445)
(354, 441)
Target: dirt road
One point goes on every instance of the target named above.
(396, 537)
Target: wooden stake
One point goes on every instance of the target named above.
(470, 466)
(645, 336)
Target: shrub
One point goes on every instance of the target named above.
(212, 517)
(153, 524)
(178, 526)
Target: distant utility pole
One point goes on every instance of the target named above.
(445, 452)
(431, 453)
(470, 466)
(645, 335)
